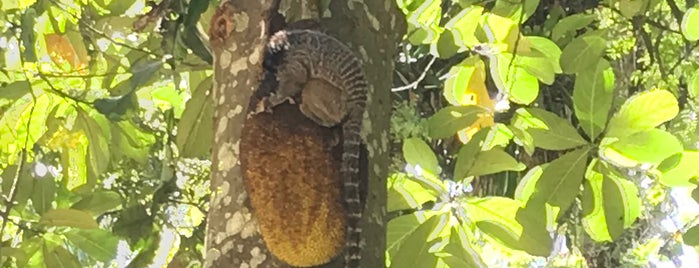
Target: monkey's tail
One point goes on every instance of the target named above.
(351, 180)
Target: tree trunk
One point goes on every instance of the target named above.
(372, 29)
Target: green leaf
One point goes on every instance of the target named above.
(493, 161)
(131, 141)
(60, 257)
(414, 250)
(643, 111)
(691, 236)
(693, 87)
(28, 34)
(97, 243)
(582, 54)
(547, 129)
(16, 253)
(514, 9)
(549, 49)
(418, 153)
(14, 90)
(195, 128)
(527, 186)
(650, 146)
(592, 98)
(446, 46)
(461, 253)
(685, 168)
(69, 217)
(43, 194)
(459, 79)
(630, 8)
(98, 134)
(538, 64)
(560, 182)
(570, 24)
(99, 202)
(449, 120)
(404, 193)
(689, 27)
(468, 153)
(463, 25)
(143, 71)
(610, 203)
(496, 216)
(423, 23)
(520, 85)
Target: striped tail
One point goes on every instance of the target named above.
(354, 206)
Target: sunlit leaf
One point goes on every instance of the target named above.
(643, 111)
(689, 24)
(493, 161)
(417, 152)
(514, 9)
(70, 218)
(549, 49)
(447, 121)
(423, 23)
(630, 8)
(650, 146)
(98, 134)
(693, 86)
(592, 98)
(461, 253)
(404, 193)
(527, 186)
(547, 129)
(97, 243)
(414, 245)
(463, 25)
(520, 85)
(537, 64)
(685, 168)
(63, 52)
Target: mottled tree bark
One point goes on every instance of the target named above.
(238, 34)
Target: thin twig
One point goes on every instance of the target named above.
(414, 84)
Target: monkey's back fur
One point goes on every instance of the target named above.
(291, 169)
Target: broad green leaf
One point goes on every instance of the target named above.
(641, 112)
(495, 217)
(514, 9)
(571, 24)
(520, 85)
(691, 236)
(547, 129)
(60, 257)
(693, 86)
(24, 186)
(592, 98)
(650, 146)
(447, 121)
(414, 251)
(537, 219)
(463, 25)
(144, 72)
(537, 64)
(461, 253)
(99, 202)
(131, 141)
(560, 182)
(468, 153)
(43, 193)
(401, 227)
(28, 34)
(418, 153)
(446, 46)
(69, 217)
(499, 29)
(194, 130)
(14, 90)
(690, 30)
(502, 219)
(630, 8)
(493, 161)
(97, 243)
(423, 23)
(594, 219)
(16, 253)
(524, 139)
(527, 186)
(582, 53)
(549, 49)
(404, 193)
(98, 134)
(461, 79)
(679, 175)
(610, 203)
(498, 136)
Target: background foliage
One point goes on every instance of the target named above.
(527, 133)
